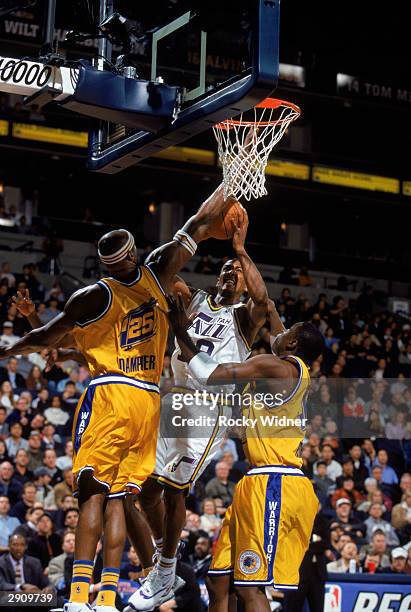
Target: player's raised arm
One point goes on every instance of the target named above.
(257, 305)
(83, 305)
(168, 259)
(27, 308)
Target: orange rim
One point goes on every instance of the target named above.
(272, 103)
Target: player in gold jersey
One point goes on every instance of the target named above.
(119, 326)
(266, 530)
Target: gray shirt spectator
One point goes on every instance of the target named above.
(220, 486)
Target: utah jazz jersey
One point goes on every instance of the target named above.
(274, 434)
(130, 336)
(214, 329)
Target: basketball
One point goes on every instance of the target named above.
(223, 228)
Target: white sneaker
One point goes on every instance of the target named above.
(156, 589)
(105, 609)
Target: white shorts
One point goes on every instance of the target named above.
(188, 441)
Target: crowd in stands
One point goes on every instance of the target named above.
(357, 450)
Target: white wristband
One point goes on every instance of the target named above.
(201, 366)
(185, 241)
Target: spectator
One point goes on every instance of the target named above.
(67, 503)
(28, 498)
(200, 560)
(324, 484)
(55, 414)
(401, 517)
(334, 469)
(376, 522)
(4, 427)
(71, 516)
(209, 520)
(8, 485)
(397, 428)
(50, 439)
(10, 374)
(405, 482)
(347, 521)
(45, 544)
(21, 472)
(41, 402)
(8, 337)
(353, 405)
(34, 450)
(378, 547)
(35, 380)
(51, 311)
(45, 492)
(74, 376)
(388, 477)
(15, 441)
(348, 552)
(220, 486)
(65, 487)
(347, 491)
(7, 274)
(56, 564)
(7, 523)
(3, 451)
(50, 462)
(8, 396)
(347, 470)
(20, 572)
(65, 461)
(132, 570)
(399, 557)
(29, 528)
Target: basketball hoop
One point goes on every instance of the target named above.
(244, 145)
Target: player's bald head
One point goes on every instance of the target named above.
(116, 247)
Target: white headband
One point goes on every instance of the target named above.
(120, 254)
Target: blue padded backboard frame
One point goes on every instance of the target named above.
(236, 96)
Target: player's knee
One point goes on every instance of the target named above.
(248, 593)
(217, 587)
(173, 498)
(150, 495)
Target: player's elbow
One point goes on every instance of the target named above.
(262, 301)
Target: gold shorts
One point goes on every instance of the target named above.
(115, 433)
(267, 529)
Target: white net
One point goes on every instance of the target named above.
(245, 144)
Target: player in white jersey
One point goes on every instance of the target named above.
(225, 328)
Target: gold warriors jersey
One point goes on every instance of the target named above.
(130, 336)
(273, 435)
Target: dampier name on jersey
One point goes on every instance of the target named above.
(134, 364)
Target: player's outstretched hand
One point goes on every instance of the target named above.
(177, 313)
(240, 233)
(24, 303)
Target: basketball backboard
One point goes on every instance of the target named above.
(223, 56)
